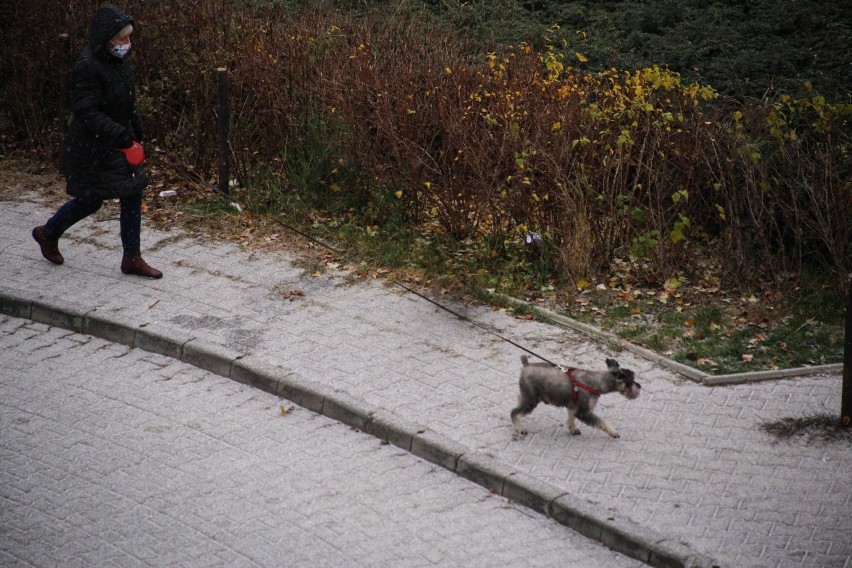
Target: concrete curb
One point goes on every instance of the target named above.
(619, 534)
(685, 370)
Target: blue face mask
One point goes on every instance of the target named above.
(120, 49)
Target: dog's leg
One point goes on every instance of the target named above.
(516, 422)
(608, 429)
(593, 419)
(525, 406)
(572, 424)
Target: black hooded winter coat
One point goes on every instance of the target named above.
(104, 116)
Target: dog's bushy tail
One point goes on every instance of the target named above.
(524, 360)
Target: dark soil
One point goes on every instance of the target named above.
(824, 427)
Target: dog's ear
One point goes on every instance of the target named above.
(612, 364)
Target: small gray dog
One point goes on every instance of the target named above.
(577, 390)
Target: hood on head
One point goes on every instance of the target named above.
(108, 21)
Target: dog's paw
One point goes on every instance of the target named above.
(520, 433)
(615, 435)
(576, 432)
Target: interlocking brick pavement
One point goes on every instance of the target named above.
(692, 463)
(111, 456)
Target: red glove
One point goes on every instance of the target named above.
(134, 154)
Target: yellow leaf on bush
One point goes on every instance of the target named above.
(581, 58)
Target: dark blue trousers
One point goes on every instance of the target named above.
(130, 220)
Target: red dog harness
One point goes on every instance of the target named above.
(577, 385)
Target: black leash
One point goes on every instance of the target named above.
(410, 290)
(467, 319)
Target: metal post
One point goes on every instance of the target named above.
(846, 394)
(224, 166)
(64, 95)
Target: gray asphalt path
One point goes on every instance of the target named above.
(692, 470)
(113, 456)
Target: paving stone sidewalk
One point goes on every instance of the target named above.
(112, 456)
(692, 471)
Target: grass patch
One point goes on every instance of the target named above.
(721, 334)
(212, 208)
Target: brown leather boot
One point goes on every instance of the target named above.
(133, 264)
(49, 246)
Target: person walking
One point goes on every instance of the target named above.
(103, 151)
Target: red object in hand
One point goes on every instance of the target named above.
(134, 154)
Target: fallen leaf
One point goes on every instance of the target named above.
(291, 294)
(747, 358)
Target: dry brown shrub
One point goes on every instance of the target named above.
(489, 147)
